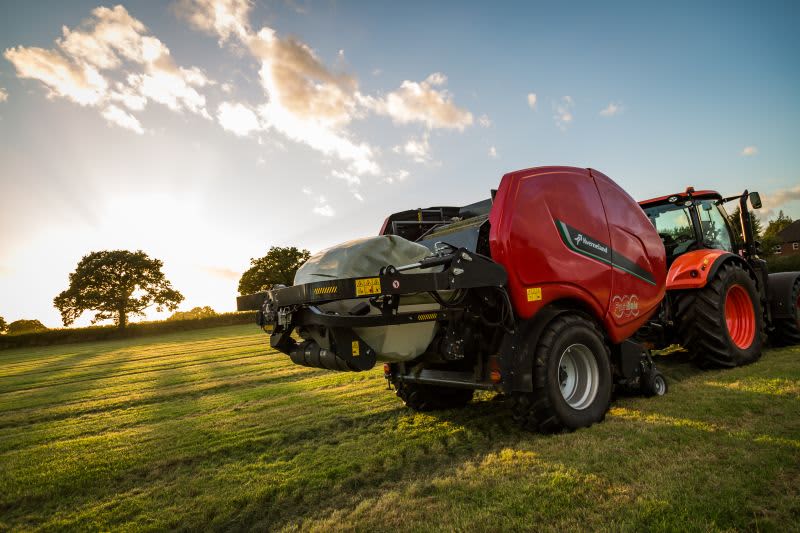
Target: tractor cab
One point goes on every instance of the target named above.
(695, 220)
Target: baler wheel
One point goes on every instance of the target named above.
(431, 398)
(571, 377)
(654, 384)
(787, 330)
(722, 324)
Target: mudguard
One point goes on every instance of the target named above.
(780, 287)
(692, 270)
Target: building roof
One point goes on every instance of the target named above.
(790, 233)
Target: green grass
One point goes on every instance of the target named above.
(210, 429)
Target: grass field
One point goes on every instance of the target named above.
(209, 429)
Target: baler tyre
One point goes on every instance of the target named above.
(654, 384)
(430, 397)
(572, 380)
(787, 330)
(722, 324)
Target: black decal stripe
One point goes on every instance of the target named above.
(608, 255)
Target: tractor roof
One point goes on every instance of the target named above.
(681, 196)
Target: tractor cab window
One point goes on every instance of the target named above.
(714, 226)
(674, 226)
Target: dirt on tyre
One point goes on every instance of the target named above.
(787, 330)
(431, 398)
(722, 324)
(572, 380)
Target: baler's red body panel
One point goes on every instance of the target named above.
(566, 233)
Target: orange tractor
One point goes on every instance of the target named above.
(721, 300)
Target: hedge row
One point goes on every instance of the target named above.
(136, 329)
(784, 263)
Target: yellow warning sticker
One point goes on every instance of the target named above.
(534, 294)
(365, 286)
(324, 290)
(356, 351)
(426, 316)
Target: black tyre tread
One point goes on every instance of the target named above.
(431, 398)
(533, 411)
(701, 326)
(787, 330)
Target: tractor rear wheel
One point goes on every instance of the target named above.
(431, 398)
(787, 330)
(722, 324)
(571, 377)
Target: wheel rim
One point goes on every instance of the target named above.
(578, 376)
(659, 386)
(740, 317)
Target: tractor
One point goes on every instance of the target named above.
(721, 302)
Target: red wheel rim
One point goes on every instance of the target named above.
(740, 317)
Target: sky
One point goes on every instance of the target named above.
(203, 132)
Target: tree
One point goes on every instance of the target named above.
(3, 325)
(25, 326)
(277, 267)
(736, 223)
(116, 284)
(197, 312)
(775, 226)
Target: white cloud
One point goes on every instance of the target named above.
(81, 84)
(532, 100)
(772, 202)
(749, 151)
(224, 18)
(611, 109)
(307, 191)
(237, 118)
(423, 102)
(323, 208)
(82, 65)
(358, 197)
(351, 179)
(484, 121)
(400, 175)
(563, 112)
(121, 118)
(128, 97)
(172, 89)
(307, 102)
(493, 152)
(418, 149)
(3, 95)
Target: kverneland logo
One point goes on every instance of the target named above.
(580, 239)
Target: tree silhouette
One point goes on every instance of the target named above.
(277, 267)
(25, 326)
(3, 325)
(194, 313)
(116, 284)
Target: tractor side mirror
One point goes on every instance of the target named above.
(755, 200)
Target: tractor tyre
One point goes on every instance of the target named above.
(572, 380)
(431, 398)
(787, 330)
(722, 324)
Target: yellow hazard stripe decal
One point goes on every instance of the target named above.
(427, 316)
(324, 290)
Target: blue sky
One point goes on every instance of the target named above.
(204, 132)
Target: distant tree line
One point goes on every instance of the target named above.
(120, 284)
